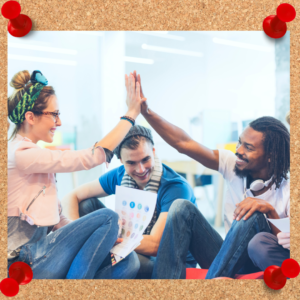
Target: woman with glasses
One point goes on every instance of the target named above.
(74, 249)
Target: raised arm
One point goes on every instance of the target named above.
(32, 159)
(178, 138)
(133, 101)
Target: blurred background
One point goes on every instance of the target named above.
(211, 84)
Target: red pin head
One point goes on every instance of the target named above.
(11, 9)
(274, 278)
(19, 25)
(275, 26)
(286, 12)
(9, 287)
(21, 272)
(290, 268)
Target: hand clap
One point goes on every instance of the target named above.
(137, 78)
(133, 99)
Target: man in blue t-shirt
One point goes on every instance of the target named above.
(142, 170)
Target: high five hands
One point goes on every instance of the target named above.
(137, 80)
(133, 99)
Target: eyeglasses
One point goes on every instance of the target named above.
(55, 115)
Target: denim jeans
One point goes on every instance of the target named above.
(131, 263)
(146, 262)
(265, 251)
(187, 229)
(146, 266)
(79, 250)
(233, 256)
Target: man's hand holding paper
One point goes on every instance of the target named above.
(284, 239)
(135, 209)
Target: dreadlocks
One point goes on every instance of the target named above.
(277, 144)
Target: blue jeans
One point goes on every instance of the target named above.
(233, 256)
(187, 229)
(146, 262)
(146, 266)
(265, 251)
(79, 250)
(130, 264)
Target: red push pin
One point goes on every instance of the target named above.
(275, 26)
(274, 278)
(290, 268)
(21, 272)
(19, 25)
(9, 287)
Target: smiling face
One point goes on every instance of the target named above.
(251, 158)
(44, 126)
(139, 163)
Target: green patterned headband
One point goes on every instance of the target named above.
(28, 100)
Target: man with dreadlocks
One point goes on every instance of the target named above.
(265, 249)
(257, 187)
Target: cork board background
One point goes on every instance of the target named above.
(241, 15)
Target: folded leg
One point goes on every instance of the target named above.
(233, 253)
(265, 251)
(74, 251)
(186, 229)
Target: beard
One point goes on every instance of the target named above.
(241, 173)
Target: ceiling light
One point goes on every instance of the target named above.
(172, 50)
(43, 60)
(242, 45)
(42, 48)
(139, 60)
(163, 34)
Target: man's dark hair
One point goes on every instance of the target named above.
(134, 141)
(133, 138)
(276, 143)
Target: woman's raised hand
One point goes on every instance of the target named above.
(133, 99)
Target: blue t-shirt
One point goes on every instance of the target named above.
(172, 187)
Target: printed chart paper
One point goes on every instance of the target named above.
(135, 208)
(282, 224)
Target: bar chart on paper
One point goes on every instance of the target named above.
(135, 209)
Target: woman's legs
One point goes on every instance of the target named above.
(126, 268)
(76, 250)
